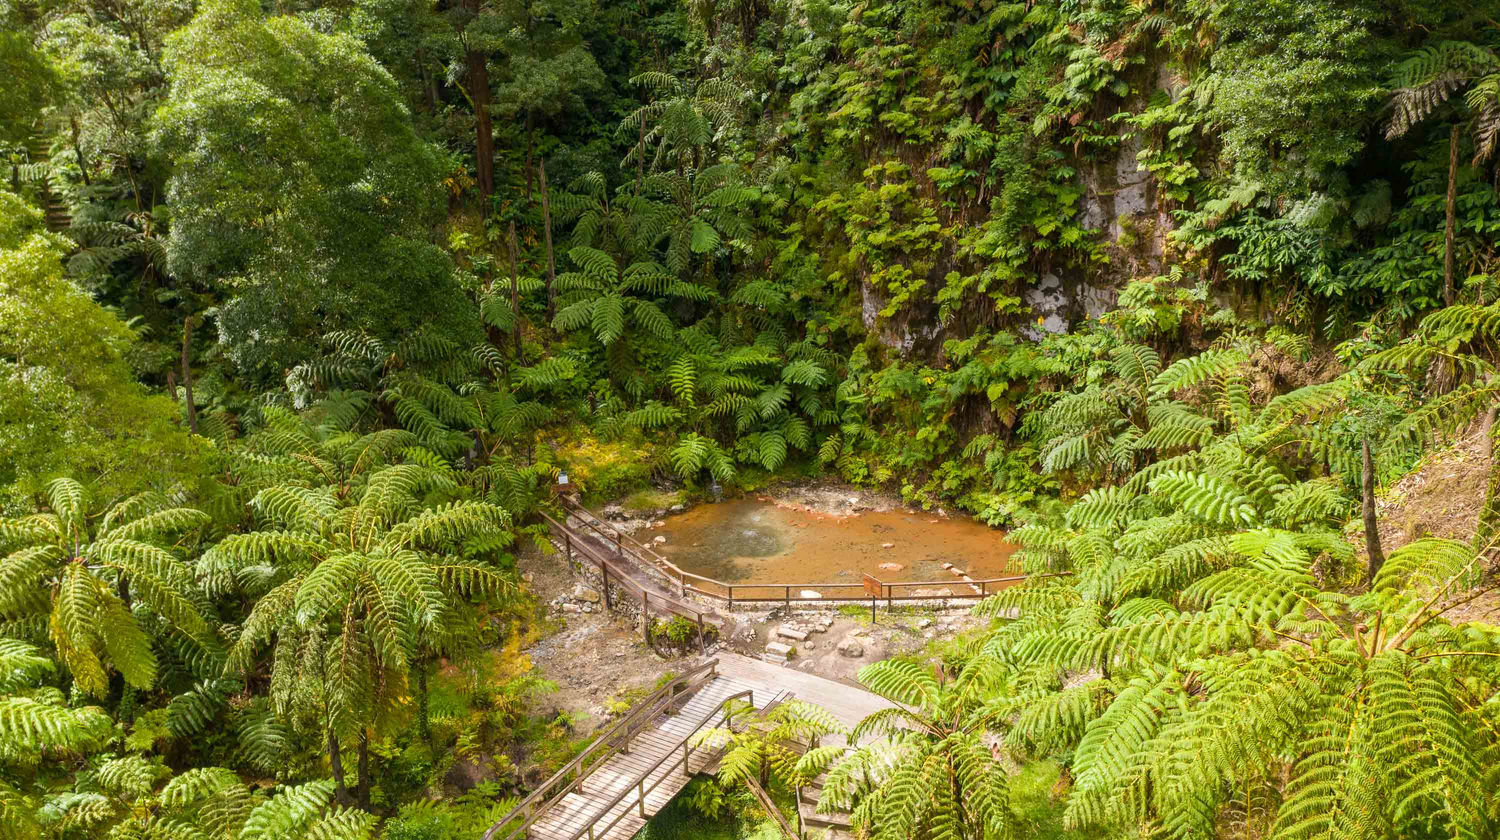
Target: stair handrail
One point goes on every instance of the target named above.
(676, 606)
(529, 804)
(640, 784)
(760, 794)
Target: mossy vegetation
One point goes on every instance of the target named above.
(305, 309)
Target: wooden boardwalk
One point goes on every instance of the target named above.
(849, 704)
(623, 573)
(610, 805)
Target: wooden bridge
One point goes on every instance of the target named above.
(640, 763)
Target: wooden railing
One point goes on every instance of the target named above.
(684, 747)
(616, 739)
(769, 805)
(612, 571)
(782, 593)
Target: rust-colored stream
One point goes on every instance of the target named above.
(757, 541)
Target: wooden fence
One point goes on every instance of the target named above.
(730, 594)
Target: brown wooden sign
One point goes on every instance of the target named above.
(874, 588)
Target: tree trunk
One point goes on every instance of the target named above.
(364, 770)
(478, 71)
(429, 84)
(640, 157)
(1489, 515)
(547, 230)
(187, 375)
(530, 147)
(336, 761)
(1367, 492)
(1452, 217)
(424, 726)
(83, 166)
(515, 293)
(1487, 431)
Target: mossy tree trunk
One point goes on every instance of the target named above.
(1367, 498)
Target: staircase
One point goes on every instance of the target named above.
(837, 824)
(625, 571)
(37, 172)
(636, 767)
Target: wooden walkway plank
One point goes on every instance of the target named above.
(655, 749)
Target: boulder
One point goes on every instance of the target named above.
(851, 647)
(945, 592)
(809, 593)
(583, 593)
(887, 545)
(891, 567)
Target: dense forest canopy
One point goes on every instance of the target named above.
(304, 305)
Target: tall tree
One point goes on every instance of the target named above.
(69, 402)
(300, 188)
(1424, 83)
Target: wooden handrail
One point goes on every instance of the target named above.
(671, 605)
(767, 803)
(963, 589)
(640, 786)
(529, 804)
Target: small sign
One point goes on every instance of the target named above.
(874, 588)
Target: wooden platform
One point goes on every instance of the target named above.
(850, 704)
(652, 757)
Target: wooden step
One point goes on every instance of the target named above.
(826, 820)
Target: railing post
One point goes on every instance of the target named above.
(641, 787)
(801, 829)
(645, 617)
(568, 544)
(701, 646)
(786, 594)
(607, 604)
(685, 770)
(730, 587)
